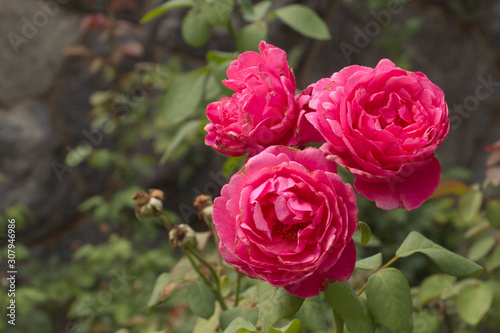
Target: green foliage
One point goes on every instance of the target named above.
(295, 326)
(304, 20)
(469, 205)
(177, 106)
(18, 212)
(446, 260)
(228, 317)
(249, 37)
(389, 300)
(311, 314)
(275, 304)
(165, 7)
(205, 15)
(201, 300)
(345, 302)
(217, 12)
(163, 289)
(371, 263)
(196, 29)
(240, 325)
(493, 213)
(474, 302)
(366, 233)
(256, 12)
(433, 286)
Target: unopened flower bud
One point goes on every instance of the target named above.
(182, 235)
(202, 202)
(147, 205)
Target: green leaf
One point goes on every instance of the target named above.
(469, 205)
(245, 7)
(275, 304)
(474, 302)
(493, 213)
(101, 158)
(446, 260)
(91, 202)
(232, 164)
(477, 229)
(389, 300)
(493, 316)
(367, 325)
(456, 289)
(217, 12)
(426, 321)
(481, 247)
(304, 20)
(250, 314)
(220, 57)
(165, 7)
(493, 261)
(295, 326)
(164, 286)
(373, 242)
(219, 74)
(238, 324)
(201, 300)
(366, 233)
(249, 37)
(77, 155)
(196, 30)
(177, 106)
(189, 128)
(208, 325)
(370, 263)
(346, 302)
(225, 285)
(257, 12)
(311, 314)
(433, 286)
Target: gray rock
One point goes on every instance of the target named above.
(34, 35)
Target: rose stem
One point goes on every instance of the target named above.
(389, 263)
(238, 285)
(215, 289)
(208, 220)
(214, 275)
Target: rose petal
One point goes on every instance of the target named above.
(409, 192)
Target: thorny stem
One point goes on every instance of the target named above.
(389, 263)
(190, 253)
(216, 286)
(204, 262)
(197, 269)
(208, 220)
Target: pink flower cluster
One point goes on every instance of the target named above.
(287, 217)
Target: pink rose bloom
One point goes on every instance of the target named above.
(287, 218)
(383, 124)
(305, 132)
(262, 112)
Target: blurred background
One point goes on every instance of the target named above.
(95, 106)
